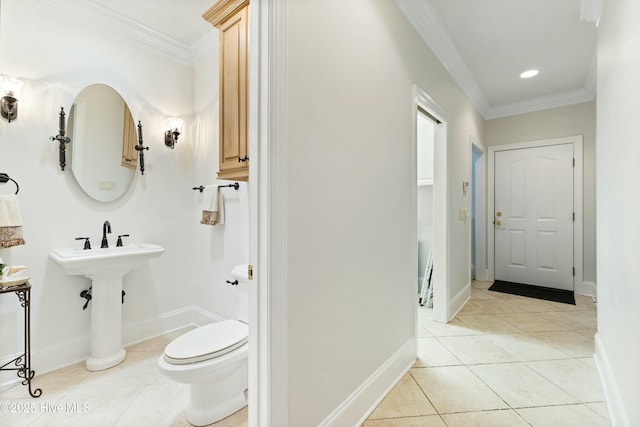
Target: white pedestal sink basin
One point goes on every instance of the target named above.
(105, 267)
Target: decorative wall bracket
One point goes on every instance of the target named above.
(62, 139)
(140, 148)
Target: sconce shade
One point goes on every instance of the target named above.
(11, 89)
(175, 125)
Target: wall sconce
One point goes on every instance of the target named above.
(10, 93)
(171, 135)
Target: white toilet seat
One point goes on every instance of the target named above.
(207, 342)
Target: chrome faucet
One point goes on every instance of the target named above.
(106, 228)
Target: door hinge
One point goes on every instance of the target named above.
(574, 271)
(574, 217)
(574, 162)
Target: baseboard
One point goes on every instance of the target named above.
(77, 349)
(364, 400)
(617, 414)
(587, 288)
(460, 300)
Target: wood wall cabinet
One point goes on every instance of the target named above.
(230, 17)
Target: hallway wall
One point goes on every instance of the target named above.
(617, 153)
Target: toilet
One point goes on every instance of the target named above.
(213, 360)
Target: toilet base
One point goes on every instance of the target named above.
(206, 408)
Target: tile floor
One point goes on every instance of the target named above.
(504, 360)
(134, 393)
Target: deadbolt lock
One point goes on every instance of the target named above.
(498, 213)
(250, 272)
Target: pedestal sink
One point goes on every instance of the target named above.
(105, 267)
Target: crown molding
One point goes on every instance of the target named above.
(555, 100)
(119, 24)
(424, 19)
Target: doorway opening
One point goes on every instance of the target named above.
(427, 111)
(478, 198)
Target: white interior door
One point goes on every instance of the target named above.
(533, 216)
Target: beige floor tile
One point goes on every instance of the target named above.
(501, 418)
(481, 294)
(88, 407)
(565, 416)
(531, 322)
(453, 328)
(432, 353)
(600, 408)
(520, 386)
(429, 421)
(422, 332)
(589, 333)
(471, 308)
(570, 342)
(487, 324)
(157, 344)
(406, 399)
(473, 350)
(239, 419)
(139, 368)
(157, 405)
(456, 389)
(494, 307)
(525, 347)
(574, 319)
(577, 377)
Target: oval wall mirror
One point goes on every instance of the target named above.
(103, 138)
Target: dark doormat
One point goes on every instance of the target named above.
(549, 294)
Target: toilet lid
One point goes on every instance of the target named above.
(207, 342)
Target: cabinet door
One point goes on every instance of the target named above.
(234, 152)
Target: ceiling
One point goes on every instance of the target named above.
(485, 44)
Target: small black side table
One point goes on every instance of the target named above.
(22, 363)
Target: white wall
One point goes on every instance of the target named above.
(57, 56)
(572, 120)
(617, 154)
(351, 208)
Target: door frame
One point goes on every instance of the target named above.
(576, 140)
(480, 208)
(441, 304)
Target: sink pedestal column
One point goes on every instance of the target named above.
(106, 322)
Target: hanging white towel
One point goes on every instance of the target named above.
(10, 221)
(213, 206)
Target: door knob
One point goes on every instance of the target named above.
(498, 213)
(498, 222)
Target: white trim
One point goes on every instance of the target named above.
(373, 390)
(587, 288)
(441, 310)
(555, 100)
(460, 300)
(577, 200)
(121, 25)
(617, 412)
(77, 349)
(268, 356)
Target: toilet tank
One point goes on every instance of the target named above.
(241, 274)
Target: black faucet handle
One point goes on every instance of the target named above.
(119, 242)
(87, 244)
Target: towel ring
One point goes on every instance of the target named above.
(4, 178)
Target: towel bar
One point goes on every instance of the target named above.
(4, 178)
(235, 186)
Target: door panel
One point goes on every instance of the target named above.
(534, 216)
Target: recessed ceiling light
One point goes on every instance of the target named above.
(528, 74)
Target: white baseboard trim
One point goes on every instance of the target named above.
(587, 288)
(617, 414)
(364, 400)
(77, 349)
(459, 301)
